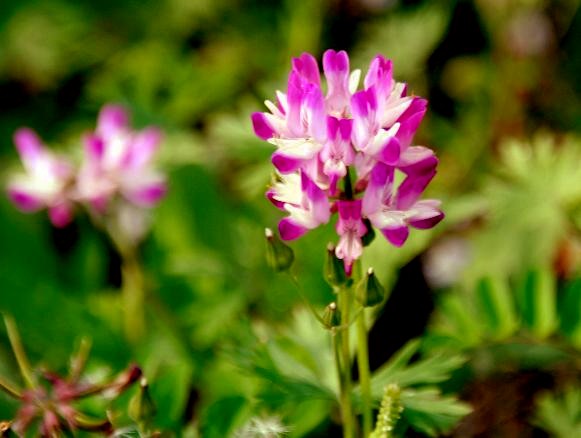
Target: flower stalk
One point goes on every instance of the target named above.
(19, 353)
(364, 374)
(345, 299)
(133, 294)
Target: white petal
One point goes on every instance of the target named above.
(354, 80)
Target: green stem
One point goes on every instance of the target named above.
(364, 375)
(303, 297)
(133, 297)
(21, 359)
(9, 389)
(344, 299)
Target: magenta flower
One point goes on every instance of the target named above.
(46, 183)
(319, 136)
(393, 210)
(351, 229)
(306, 203)
(117, 162)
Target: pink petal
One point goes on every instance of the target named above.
(380, 75)
(363, 106)
(427, 222)
(335, 63)
(147, 196)
(410, 120)
(396, 236)
(270, 195)
(284, 163)
(295, 94)
(60, 214)
(111, 120)
(321, 210)
(24, 201)
(314, 106)
(416, 160)
(380, 185)
(94, 147)
(306, 66)
(427, 214)
(411, 189)
(143, 146)
(261, 126)
(29, 146)
(290, 230)
(390, 152)
(336, 67)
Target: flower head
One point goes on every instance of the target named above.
(117, 162)
(319, 136)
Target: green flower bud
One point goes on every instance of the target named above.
(369, 291)
(279, 256)
(141, 407)
(334, 270)
(331, 316)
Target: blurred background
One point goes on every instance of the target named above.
(497, 282)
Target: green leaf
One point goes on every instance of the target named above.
(221, 417)
(460, 323)
(560, 414)
(430, 370)
(430, 412)
(497, 307)
(538, 302)
(570, 311)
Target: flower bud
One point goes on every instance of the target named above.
(279, 256)
(331, 316)
(369, 291)
(141, 407)
(334, 269)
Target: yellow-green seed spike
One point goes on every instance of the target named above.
(389, 412)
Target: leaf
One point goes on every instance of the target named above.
(407, 37)
(430, 412)
(537, 297)
(221, 417)
(430, 370)
(570, 311)
(459, 321)
(560, 414)
(497, 307)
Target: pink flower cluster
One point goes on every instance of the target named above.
(116, 165)
(323, 138)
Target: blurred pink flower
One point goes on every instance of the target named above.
(46, 182)
(117, 162)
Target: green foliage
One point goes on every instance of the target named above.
(560, 414)
(224, 348)
(426, 409)
(532, 204)
(496, 312)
